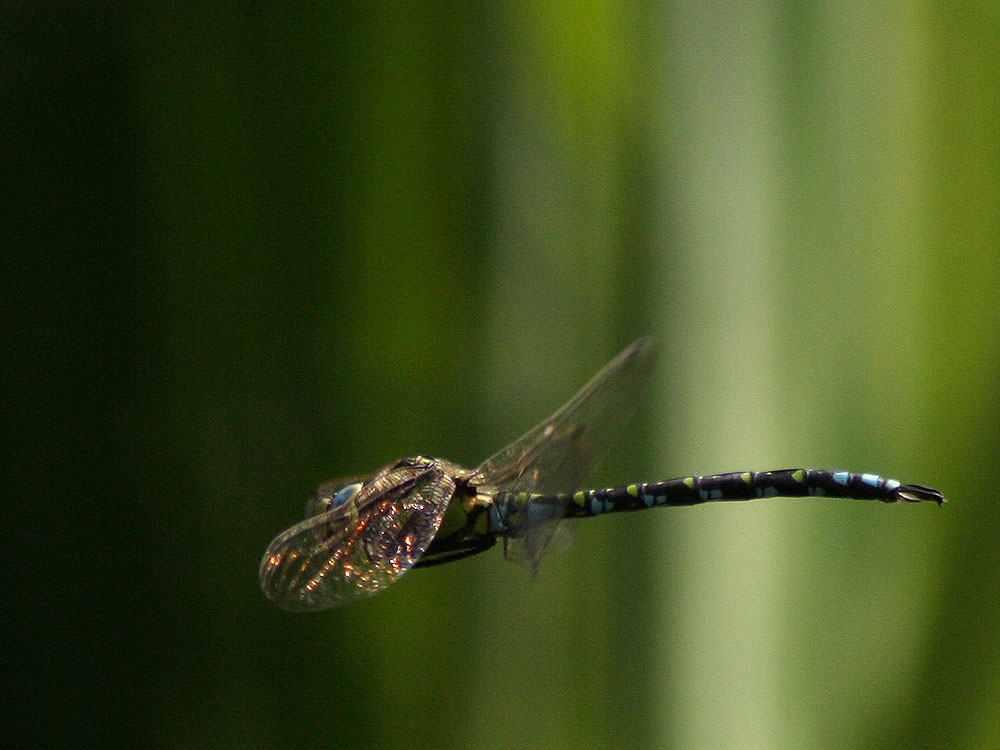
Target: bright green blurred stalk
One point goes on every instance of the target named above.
(266, 247)
(815, 169)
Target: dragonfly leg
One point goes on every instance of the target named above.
(464, 549)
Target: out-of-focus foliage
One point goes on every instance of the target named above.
(255, 248)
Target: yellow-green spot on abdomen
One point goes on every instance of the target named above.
(580, 498)
(689, 482)
(747, 477)
(798, 475)
(633, 490)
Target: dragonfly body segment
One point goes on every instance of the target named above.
(361, 535)
(735, 486)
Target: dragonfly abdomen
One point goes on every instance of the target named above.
(747, 485)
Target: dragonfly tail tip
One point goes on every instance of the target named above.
(915, 493)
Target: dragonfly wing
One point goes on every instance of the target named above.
(558, 455)
(356, 550)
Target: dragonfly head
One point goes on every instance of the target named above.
(339, 492)
(331, 495)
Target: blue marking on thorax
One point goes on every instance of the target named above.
(538, 513)
(496, 526)
(518, 513)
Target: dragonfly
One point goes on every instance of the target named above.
(361, 535)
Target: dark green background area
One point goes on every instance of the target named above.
(248, 250)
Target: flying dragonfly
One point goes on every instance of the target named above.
(360, 535)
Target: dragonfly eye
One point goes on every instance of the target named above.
(327, 497)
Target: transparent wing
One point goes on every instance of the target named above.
(558, 455)
(357, 549)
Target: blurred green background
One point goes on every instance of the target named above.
(254, 248)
